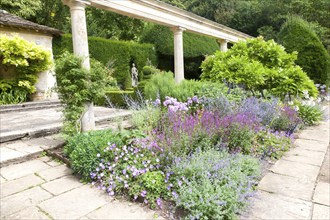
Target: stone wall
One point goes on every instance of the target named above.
(46, 79)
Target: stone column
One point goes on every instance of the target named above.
(178, 54)
(223, 45)
(80, 49)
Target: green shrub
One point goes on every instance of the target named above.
(122, 53)
(148, 71)
(213, 184)
(259, 65)
(26, 59)
(298, 35)
(310, 114)
(82, 150)
(271, 145)
(163, 84)
(76, 86)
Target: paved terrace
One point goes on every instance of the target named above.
(43, 188)
(296, 187)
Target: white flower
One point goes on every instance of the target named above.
(296, 108)
(303, 102)
(290, 102)
(318, 100)
(305, 92)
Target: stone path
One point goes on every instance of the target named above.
(15, 125)
(28, 125)
(293, 190)
(46, 189)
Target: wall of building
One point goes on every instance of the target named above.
(46, 80)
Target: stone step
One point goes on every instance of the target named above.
(28, 106)
(45, 122)
(18, 151)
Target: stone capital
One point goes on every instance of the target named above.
(76, 4)
(177, 29)
(223, 41)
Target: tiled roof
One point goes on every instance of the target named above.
(10, 20)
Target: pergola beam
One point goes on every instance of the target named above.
(167, 15)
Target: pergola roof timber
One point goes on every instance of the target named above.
(167, 15)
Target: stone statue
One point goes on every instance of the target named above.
(134, 72)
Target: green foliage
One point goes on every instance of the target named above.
(23, 8)
(76, 86)
(26, 60)
(122, 53)
(149, 71)
(310, 114)
(26, 56)
(83, 147)
(116, 97)
(298, 35)
(239, 138)
(195, 47)
(163, 84)
(215, 185)
(110, 25)
(271, 145)
(259, 65)
(153, 183)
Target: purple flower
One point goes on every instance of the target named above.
(135, 197)
(143, 193)
(111, 193)
(124, 172)
(159, 202)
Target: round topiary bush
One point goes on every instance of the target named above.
(297, 35)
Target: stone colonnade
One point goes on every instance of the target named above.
(80, 48)
(80, 40)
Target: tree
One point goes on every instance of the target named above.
(22, 8)
(297, 35)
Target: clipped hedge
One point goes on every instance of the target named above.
(195, 47)
(297, 35)
(123, 53)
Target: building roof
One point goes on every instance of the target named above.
(10, 20)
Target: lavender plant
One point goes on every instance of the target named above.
(213, 184)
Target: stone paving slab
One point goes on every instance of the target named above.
(311, 145)
(316, 134)
(28, 213)
(305, 156)
(322, 193)
(2, 180)
(55, 172)
(62, 185)
(123, 210)
(321, 212)
(287, 186)
(304, 172)
(28, 198)
(75, 203)
(272, 206)
(8, 154)
(23, 169)
(17, 185)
